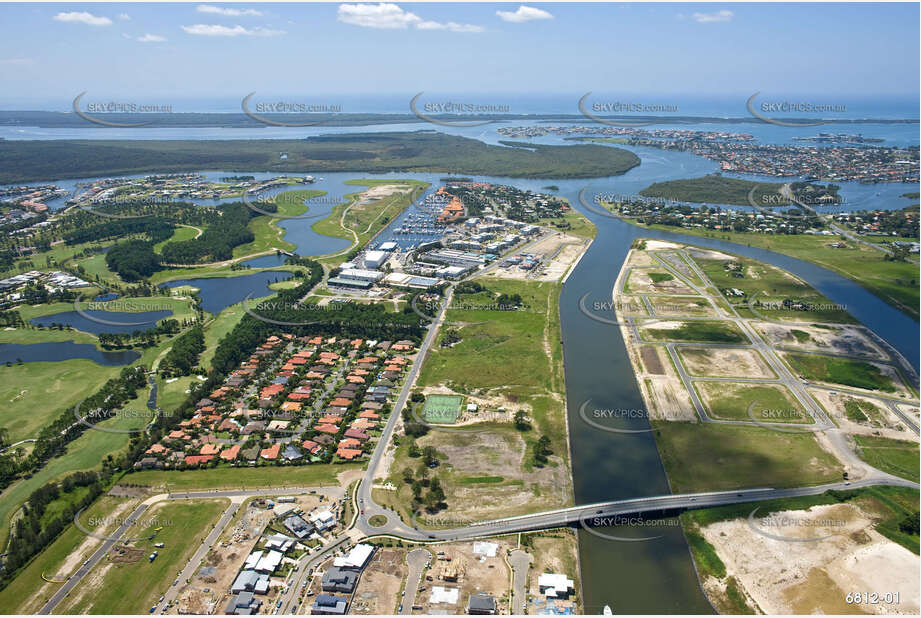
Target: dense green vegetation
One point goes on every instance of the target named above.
(699, 331)
(184, 353)
(849, 372)
(422, 151)
(217, 241)
(133, 260)
(714, 189)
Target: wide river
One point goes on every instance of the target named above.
(657, 575)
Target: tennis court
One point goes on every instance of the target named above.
(442, 408)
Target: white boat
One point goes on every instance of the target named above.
(607, 611)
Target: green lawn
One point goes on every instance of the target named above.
(134, 587)
(698, 331)
(712, 457)
(28, 591)
(84, 453)
(234, 478)
(898, 457)
(34, 394)
(894, 282)
(859, 374)
(772, 403)
(179, 234)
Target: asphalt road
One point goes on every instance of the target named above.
(416, 559)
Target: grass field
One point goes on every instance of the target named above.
(698, 331)
(179, 234)
(84, 453)
(898, 457)
(28, 591)
(240, 478)
(712, 457)
(772, 403)
(859, 374)
(133, 587)
(442, 408)
(770, 286)
(34, 394)
(894, 282)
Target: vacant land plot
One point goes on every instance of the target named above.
(710, 456)
(768, 287)
(379, 587)
(724, 363)
(667, 306)
(771, 403)
(859, 374)
(861, 415)
(654, 281)
(698, 331)
(839, 339)
(753, 570)
(126, 582)
(225, 478)
(897, 457)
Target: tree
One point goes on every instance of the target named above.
(521, 421)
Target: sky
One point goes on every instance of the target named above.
(188, 55)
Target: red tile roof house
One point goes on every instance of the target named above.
(230, 454)
(197, 460)
(369, 414)
(357, 434)
(340, 402)
(311, 447)
(210, 449)
(349, 443)
(327, 428)
(271, 452)
(348, 453)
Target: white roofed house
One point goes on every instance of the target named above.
(555, 585)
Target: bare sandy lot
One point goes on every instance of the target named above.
(663, 392)
(639, 282)
(840, 339)
(376, 193)
(676, 306)
(378, 589)
(724, 363)
(790, 577)
(881, 420)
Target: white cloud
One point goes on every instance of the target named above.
(124, 17)
(82, 17)
(451, 25)
(388, 16)
(16, 61)
(524, 13)
(217, 30)
(151, 38)
(706, 18)
(219, 10)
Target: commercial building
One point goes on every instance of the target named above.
(374, 259)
